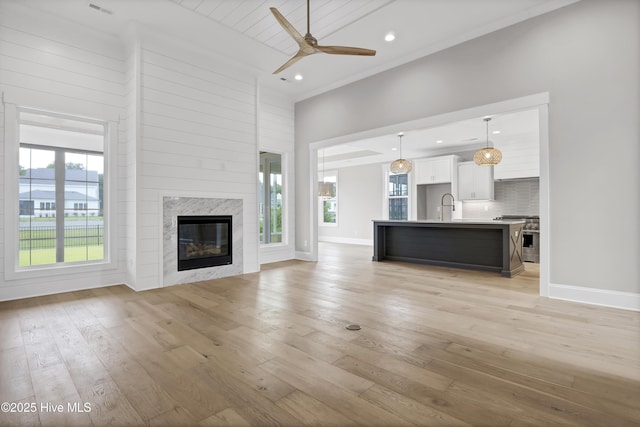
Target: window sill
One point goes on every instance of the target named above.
(272, 245)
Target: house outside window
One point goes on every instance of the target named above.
(26, 208)
(61, 186)
(398, 196)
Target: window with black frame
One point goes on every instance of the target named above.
(398, 196)
(61, 189)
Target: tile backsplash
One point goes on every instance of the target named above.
(516, 197)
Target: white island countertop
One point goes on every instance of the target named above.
(458, 221)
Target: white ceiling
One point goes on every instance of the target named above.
(245, 31)
(521, 126)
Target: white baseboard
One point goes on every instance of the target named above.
(140, 288)
(346, 240)
(276, 253)
(615, 299)
(9, 293)
(304, 256)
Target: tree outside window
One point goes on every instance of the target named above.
(329, 204)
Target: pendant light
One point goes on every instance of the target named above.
(487, 156)
(326, 190)
(401, 165)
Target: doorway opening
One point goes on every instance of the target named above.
(538, 102)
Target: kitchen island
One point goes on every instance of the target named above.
(473, 244)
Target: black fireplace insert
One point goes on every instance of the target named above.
(204, 241)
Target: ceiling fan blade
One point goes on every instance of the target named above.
(298, 56)
(346, 50)
(288, 27)
(309, 45)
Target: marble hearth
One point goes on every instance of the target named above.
(172, 207)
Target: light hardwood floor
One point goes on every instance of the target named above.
(438, 347)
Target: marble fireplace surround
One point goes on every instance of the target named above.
(172, 207)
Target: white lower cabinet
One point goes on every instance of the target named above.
(475, 182)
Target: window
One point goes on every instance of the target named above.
(26, 207)
(271, 198)
(61, 177)
(398, 197)
(328, 204)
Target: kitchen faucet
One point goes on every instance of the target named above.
(442, 205)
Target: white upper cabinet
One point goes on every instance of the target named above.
(475, 182)
(435, 170)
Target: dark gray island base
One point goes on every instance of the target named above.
(479, 245)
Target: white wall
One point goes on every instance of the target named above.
(197, 138)
(128, 169)
(49, 64)
(360, 201)
(586, 57)
(276, 135)
(432, 198)
(186, 122)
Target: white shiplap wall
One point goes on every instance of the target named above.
(128, 172)
(49, 64)
(197, 138)
(276, 134)
(186, 124)
(2, 193)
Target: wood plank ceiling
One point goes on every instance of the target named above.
(253, 18)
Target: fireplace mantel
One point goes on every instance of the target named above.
(172, 207)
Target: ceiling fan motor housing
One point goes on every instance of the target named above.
(310, 39)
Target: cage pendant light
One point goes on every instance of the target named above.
(488, 156)
(401, 165)
(325, 189)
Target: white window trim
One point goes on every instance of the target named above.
(11, 205)
(284, 166)
(386, 171)
(385, 190)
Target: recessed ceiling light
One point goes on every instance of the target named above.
(439, 141)
(390, 36)
(298, 77)
(394, 149)
(496, 131)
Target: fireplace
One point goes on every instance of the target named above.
(204, 241)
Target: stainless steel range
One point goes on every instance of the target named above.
(530, 236)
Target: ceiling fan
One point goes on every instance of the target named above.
(309, 44)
